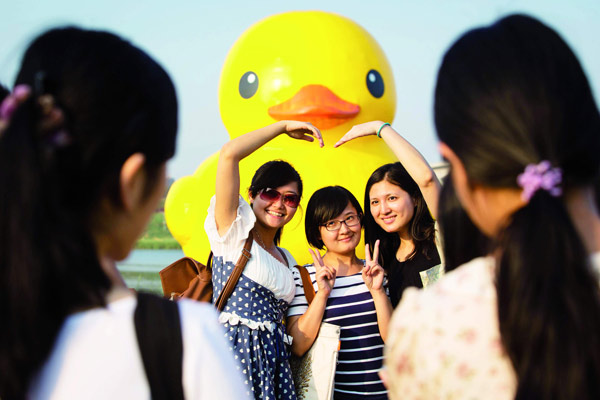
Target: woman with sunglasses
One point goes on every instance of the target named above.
(400, 208)
(349, 292)
(254, 313)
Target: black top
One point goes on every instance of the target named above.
(403, 274)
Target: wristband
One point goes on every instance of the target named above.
(380, 128)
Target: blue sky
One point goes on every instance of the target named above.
(191, 40)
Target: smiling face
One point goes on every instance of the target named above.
(275, 214)
(391, 207)
(344, 240)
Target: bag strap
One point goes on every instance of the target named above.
(309, 289)
(158, 331)
(287, 263)
(235, 274)
(209, 262)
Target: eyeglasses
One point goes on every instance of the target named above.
(289, 199)
(336, 224)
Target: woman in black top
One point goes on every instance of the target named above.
(400, 208)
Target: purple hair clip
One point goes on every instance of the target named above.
(540, 176)
(12, 101)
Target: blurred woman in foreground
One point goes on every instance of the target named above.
(518, 123)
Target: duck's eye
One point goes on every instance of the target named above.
(374, 83)
(248, 84)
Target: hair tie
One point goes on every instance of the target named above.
(51, 116)
(12, 101)
(540, 176)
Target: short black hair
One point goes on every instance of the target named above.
(324, 205)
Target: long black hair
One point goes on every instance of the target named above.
(3, 92)
(421, 226)
(462, 240)
(115, 101)
(273, 174)
(509, 95)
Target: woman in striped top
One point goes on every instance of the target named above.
(349, 292)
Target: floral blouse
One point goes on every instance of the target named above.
(444, 342)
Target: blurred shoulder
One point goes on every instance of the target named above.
(445, 341)
(198, 316)
(464, 293)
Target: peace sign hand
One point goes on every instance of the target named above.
(325, 274)
(373, 273)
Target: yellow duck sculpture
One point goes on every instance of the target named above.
(306, 65)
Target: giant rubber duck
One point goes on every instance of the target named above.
(311, 66)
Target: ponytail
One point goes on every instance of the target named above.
(61, 151)
(549, 304)
(48, 259)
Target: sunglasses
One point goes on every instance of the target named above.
(289, 199)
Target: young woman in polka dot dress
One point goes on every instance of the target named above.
(254, 313)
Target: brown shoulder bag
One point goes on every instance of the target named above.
(188, 278)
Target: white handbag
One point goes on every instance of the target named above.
(314, 372)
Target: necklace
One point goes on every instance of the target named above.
(260, 239)
(272, 251)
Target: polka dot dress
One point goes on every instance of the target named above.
(254, 313)
(253, 319)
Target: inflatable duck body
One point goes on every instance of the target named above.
(310, 66)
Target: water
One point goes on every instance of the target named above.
(140, 269)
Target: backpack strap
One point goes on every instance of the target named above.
(235, 274)
(158, 331)
(309, 289)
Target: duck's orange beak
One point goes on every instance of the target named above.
(315, 104)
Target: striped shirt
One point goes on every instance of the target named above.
(351, 306)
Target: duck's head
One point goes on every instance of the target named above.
(306, 65)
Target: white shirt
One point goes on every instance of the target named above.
(262, 267)
(96, 356)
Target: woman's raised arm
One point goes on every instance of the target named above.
(414, 163)
(228, 173)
